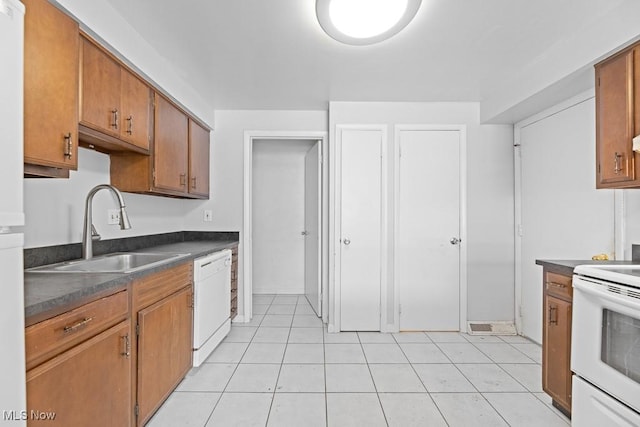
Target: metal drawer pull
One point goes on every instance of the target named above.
(80, 324)
(557, 285)
(130, 126)
(127, 346)
(69, 146)
(233, 291)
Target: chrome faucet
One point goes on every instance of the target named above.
(89, 233)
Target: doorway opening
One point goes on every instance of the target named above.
(284, 236)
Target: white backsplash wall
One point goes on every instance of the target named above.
(54, 208)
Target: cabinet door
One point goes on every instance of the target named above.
(89, 385)
(171, 138)
(100, 108)
(198, 160)
(136, 110)
(50, 86)
(556, 363)
(614, 120)
(164, 349)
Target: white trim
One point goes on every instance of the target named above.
(336, 173)
(463, 308)
(247, 246)
(619, 225)
(517, 159)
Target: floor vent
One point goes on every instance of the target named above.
(492, 328)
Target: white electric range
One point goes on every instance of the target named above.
(605, 346)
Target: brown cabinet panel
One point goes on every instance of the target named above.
(100, 90)
(51, 337)
(198, 160)
(615, 117)
(154, 287)
(51, 50)
(164, 350)
(89, 385)
(170, 147)
(136, 103)
(556, 351)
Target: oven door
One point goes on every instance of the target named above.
(605, 346)
(591, 407)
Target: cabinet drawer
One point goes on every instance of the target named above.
(558, 285)
(155, 287)
(51, 337)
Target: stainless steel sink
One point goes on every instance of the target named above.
(119, 262)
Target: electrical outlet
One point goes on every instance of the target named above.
(208, 216)
(113, 216)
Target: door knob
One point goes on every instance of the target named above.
(346, 241)
(455, 241)
(304, 233)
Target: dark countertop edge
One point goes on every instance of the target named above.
(566, 267)
(47, 309)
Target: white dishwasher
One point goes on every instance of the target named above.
(212, 303)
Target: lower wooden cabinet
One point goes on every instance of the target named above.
(112, 361)
(164, 349)
(162, 304)
(88, 385)
(556, 339)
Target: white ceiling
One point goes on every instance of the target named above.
(272, 54)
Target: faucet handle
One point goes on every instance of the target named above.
(94, 233)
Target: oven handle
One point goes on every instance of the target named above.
(591, 288)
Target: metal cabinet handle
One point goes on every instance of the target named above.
(127, 346)
(346, 241)
(183, 179)
(616, 162)
(193, 182)
(553, 315)
(68, 153)
(76, 326)
(114, 123)
(130, 125)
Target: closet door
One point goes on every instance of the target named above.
(360, 221)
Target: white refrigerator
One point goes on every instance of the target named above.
(12, 359)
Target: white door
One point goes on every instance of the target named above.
(312, 191)
(428, 219)
(360, 229)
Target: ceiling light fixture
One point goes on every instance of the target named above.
(363, 22)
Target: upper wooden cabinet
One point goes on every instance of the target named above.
(618, 119)
(198, 160)
(50, 91)
(171, 147)
(115, 110)
(179, 162)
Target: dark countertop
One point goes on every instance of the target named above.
(49, 294)
(566, 267)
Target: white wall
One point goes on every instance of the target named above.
(563, 215)
(278, 215)
(489, 196)
(54, 208)
(227, 169)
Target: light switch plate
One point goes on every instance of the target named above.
(208, 215)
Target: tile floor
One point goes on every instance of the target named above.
(284, 369)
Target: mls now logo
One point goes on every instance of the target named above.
(28, 415)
